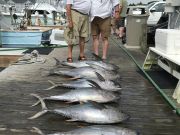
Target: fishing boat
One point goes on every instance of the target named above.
(47, 14)
(57, 35)
(50, 18)
(24, 38)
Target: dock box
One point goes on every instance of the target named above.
(168, 41)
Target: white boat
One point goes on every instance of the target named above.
(47, 14)
(57, 35)
(24, 38)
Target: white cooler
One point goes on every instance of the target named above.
(168, 41)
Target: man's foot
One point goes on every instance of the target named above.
(81, 58)
(104, 60)
(70, 60)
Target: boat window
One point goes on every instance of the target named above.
(150, 5)
(159, 7)
(41, 12)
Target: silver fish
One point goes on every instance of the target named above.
(95, 130)
(91, 83)
(86, 72)
(77, 64)
(79, 83)
(88, 112)
(84, 95)
(105, 65)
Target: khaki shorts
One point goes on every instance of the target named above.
(103, 26)
(113, 21)
(80, 24)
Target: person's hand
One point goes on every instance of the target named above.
(117, 16)
(70, 24)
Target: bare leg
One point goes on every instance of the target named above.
(121, 32)
(81, 46)
(105, 47)
(96, 45)
(70, 48)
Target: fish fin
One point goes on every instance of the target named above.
(37, 130)
(58, 62)
(97, 57)
(53, 85)
(69, 102)
(35, 104)
(100, 77)
(72, 120)
(96, 105)
(73, 78)
(82, 102)
(51, 82)
(38, 114)
(94, 84)
(43, 105)
(116, 82)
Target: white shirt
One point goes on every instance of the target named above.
(82, 6)
(102, 8)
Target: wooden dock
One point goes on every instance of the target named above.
(150, 113)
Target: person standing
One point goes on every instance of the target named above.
(101, 11)
(123, 4)
(78, 22)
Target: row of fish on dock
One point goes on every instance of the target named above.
(94, 84)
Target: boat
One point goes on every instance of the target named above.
(24, 38)
(47, 14)
(57, 35)
(39, 17)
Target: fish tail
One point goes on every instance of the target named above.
(58, 62)
(37, 130)
(43, 105)
(45, 72)
(35, 95)
(53, 85)
(97, 57)
(38, 114)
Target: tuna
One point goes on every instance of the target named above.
(84, 95)
(87, 112)
(79, 83)
(86, 72)
(94, 130)
(84, 83)
(77, 64)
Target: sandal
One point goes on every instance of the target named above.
(81, 58)
(69, 59)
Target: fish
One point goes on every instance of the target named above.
(95, 130)
(99, 83)
(74, 84)
(76, 64)
(86, 63)
(84, 95)
(90, 112)
(86, 73)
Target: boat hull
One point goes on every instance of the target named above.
(24, 39)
